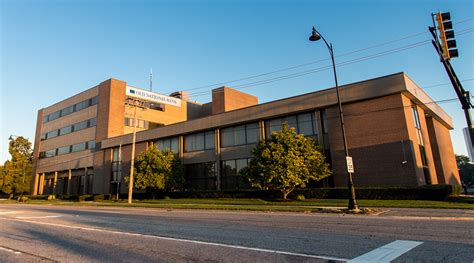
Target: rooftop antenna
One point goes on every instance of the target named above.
(151, 79)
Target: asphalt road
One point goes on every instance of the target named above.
(34, 233)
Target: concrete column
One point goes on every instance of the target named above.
(41, 184)
(55, 182)
(261, 130)
(35, 185)
(69, 181)
(181, 148)
(217, 144)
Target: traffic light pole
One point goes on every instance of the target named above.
(463, 95)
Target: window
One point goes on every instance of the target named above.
(251, 132)
(67, 111)
(421, 144)
(200, 176)
(65, 130)
(117, 165)
(199, 141)
(209, 140)
(79, 147)
(140, 123)
(71, 109)
(231, 178)
(94, 100)
(91, 145)
(69, 129)
(92, 122)
(273, 126)
(80, 126)
(54, 115)
(52, 134)
(64, 150)
(171, 144)
(239, 135)
(324, 121)
(82, 105)
(416, 118)
(306, 124)
(227, 137)
(50, 153)
(128, 122)
(302, 123)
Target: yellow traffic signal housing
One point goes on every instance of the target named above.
(446, 35)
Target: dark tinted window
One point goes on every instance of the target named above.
(64, 150)
(67, 111)
(81, 125)
(95, 100)
(79, 147)
(52, 134)
(65, 130)
(54, 115)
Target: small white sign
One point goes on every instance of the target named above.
(350, 165)
(151, 96)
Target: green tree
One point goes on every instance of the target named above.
(16, 171)
(466, 171)
(285, 161)
(156, 171)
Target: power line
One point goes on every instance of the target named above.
(318, 61)
(303, 73)
(304, 64)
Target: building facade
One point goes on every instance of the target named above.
(396, 134)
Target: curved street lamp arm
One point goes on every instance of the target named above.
(327, 44)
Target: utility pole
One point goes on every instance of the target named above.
(135, 103)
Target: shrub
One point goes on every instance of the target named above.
(300, 198)
(22, 199)
(427, 192)
(51, 197)
(84, 198)
(98, 198)
(37, 197)
(70, 197)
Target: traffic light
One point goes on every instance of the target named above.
(446, 35)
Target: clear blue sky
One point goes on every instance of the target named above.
(51, 50)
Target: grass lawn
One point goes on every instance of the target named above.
(308, 205)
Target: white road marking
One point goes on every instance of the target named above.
(10, 250)
(388, 252)
(36, 217)
(180, 240)
(9, 212)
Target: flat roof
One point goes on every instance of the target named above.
(353, 92)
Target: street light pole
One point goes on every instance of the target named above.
(315, 36)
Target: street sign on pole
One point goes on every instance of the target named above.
(350, 165)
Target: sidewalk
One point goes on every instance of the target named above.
(464, 214)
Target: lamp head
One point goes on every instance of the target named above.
(314, 35)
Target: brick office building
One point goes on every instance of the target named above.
(397, 135)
